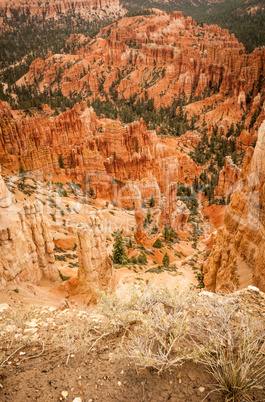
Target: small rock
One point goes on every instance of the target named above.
(64, 394)
(31, 330)
(119, 383)
(79, 400)
(192, 376)
(250, 287)
(201, 389)
(3, 307)
(31, 324)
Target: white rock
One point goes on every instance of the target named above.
(253, 288)
(119, 383)
(206, 293)
(77, 400)
(17, 336)
(31, 330)
(201, 389)
(31, 324)
(3, 307)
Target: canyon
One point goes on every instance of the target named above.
(131, 205)
(162, 59)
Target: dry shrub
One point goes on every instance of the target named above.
(230, 343)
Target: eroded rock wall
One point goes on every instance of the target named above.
(238, 254)
(26, 244)
(94, 149)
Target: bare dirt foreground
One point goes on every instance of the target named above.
(92, 377)
(49, 362)
(68, 353)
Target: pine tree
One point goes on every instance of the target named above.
(61, 162)
(118, 249)
(166, 260)
(152, 202)
(166, 233)
(200, 278)
(158, 243)
(91, 192)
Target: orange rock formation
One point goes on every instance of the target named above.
(26, 245)
(228, 178)
(95, 270)
(103, 152)
(237, 258)
(43, 10)
(164, 56)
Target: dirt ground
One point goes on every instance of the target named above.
(92, 377)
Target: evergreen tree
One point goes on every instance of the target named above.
(92, 192)
(166, 260)
(118, 249)
(142, 259)
(166, 233)
(158, 243)
(61, 162)
(200, 278)
(152, 202)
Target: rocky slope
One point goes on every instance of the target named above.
(237, 257)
